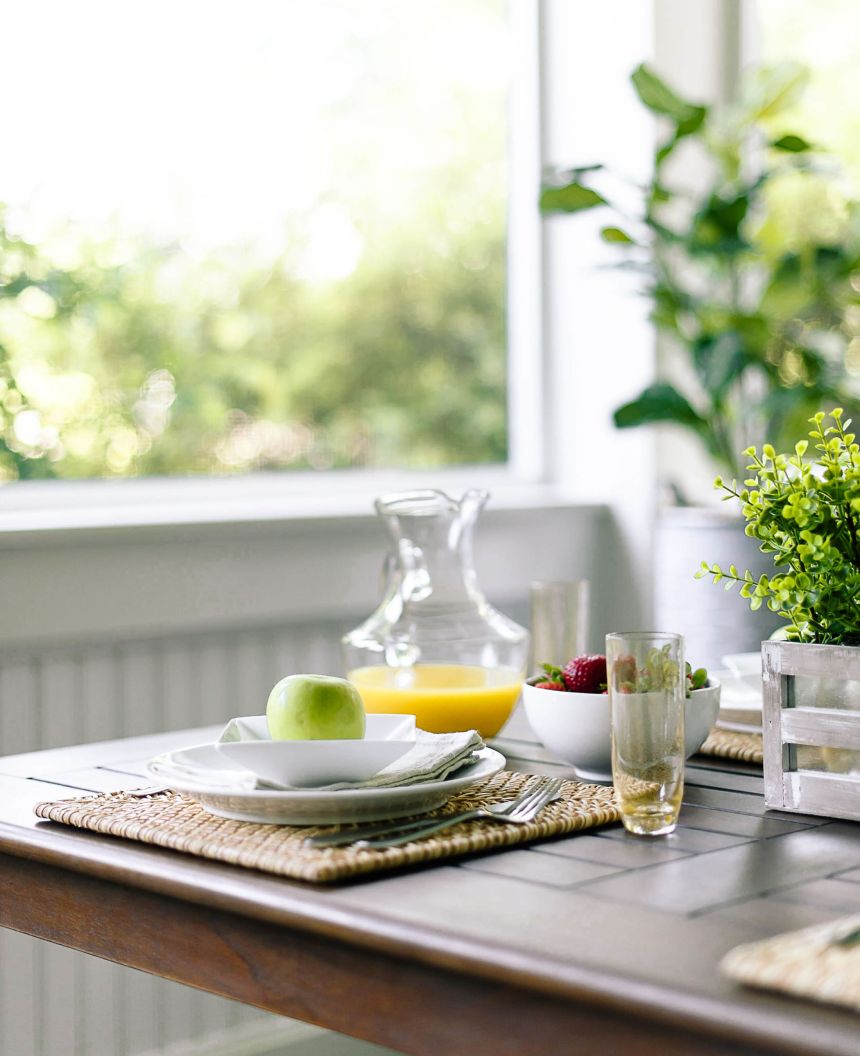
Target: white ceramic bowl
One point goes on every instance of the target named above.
(245, 741)
(700, 714)
(575, 726)
(310, 764)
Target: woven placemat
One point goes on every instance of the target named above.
(169, 819)
(809, 963)
(746, 747)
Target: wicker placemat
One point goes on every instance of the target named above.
(746, 747)
(809, 963)
(168, 819)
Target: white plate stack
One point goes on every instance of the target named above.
(741, 697)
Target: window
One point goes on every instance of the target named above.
(825, 39)
(818, 48)
(265, 237)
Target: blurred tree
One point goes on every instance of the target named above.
(292, 241)
(140, 360)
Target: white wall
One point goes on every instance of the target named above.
(600, 344)
(97, 585)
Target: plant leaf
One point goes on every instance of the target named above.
(579, 170)
(775, 88)
(660, 402)
(792, 144)
(615, 234)
(717, 223)
(572, 198)
(661, 99)
(720, 359)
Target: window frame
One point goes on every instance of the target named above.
(63, 504)
(107, 560)
(553, 439)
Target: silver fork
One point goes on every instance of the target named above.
(522, 809)
(389, 828)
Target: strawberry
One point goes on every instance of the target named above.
(547, 684)
(585, 674)
(624, 674)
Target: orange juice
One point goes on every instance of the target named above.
(442, 697)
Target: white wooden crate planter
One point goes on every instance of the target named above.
(812, 728)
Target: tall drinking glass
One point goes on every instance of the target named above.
(559, 622)
(645, 672)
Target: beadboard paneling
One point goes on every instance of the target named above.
(54, 1001)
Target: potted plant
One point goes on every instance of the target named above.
(749, 272)
(806, 516)
(748, 266)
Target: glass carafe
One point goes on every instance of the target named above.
(435, 647)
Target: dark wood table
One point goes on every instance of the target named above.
(595, 944)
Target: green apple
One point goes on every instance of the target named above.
(315, 708)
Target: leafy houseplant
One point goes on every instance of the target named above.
(749, 272)
(807, 516)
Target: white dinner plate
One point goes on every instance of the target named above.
(311, 807)
(746, 669)
(741, 664)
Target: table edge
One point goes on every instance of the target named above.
(298, 907)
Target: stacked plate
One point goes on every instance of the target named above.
(248, 777)
(741, 697)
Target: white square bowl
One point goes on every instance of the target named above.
(312, 764)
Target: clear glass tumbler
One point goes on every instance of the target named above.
(558, 613)
(645, 672)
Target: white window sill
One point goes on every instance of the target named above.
(45, 512)
(101, 560)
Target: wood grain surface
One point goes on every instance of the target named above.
(592, 944)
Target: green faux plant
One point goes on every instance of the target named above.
(751, 272)
(806, 514)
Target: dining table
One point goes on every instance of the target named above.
(593, 943)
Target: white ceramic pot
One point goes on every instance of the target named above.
(715, 622)
(575, 726)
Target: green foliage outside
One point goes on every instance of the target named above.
(752, 266)
(806, 515)
(129, 359)
(339, 298)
